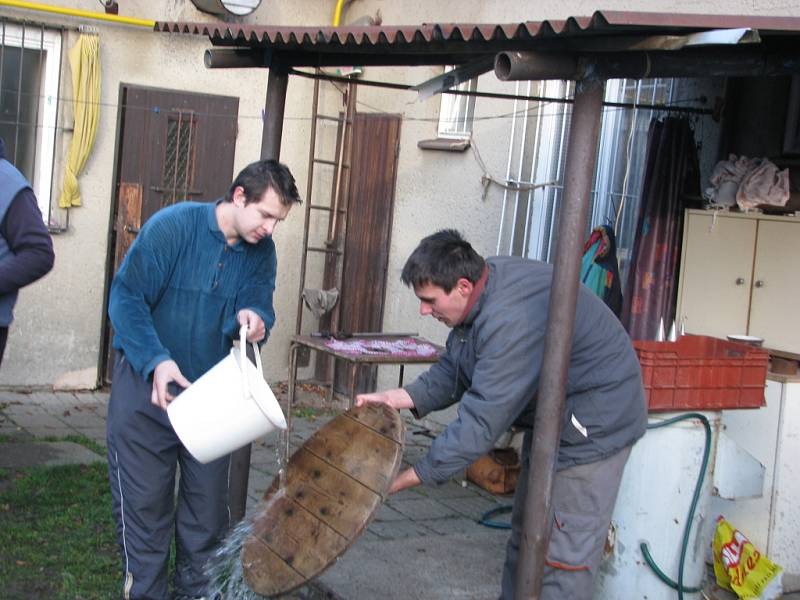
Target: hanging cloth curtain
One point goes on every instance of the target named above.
(84, 61)
(671, 175)
(599, 268)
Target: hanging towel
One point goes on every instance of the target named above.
(320, 302)
(599, 267)
(84, 60)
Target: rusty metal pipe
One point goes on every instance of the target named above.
(218, 58)
(538, 516)
(516, 66)
(688, 62)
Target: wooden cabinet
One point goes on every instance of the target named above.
(739, 276)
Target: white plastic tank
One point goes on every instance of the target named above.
(653, 505)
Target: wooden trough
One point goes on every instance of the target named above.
(333, 485)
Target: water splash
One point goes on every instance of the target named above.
(224, 569)
(282, 456)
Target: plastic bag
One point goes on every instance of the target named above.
(741, 568)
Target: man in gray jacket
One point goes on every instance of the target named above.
(497, 309)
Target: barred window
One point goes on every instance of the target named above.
(538, 154)
(30, 64)
(179, 158)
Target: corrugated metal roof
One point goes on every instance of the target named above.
(441, 36)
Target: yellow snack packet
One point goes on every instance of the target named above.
(741, 568)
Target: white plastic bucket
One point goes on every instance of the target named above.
(228, 407)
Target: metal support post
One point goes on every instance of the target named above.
(581, 156)
(273, 111)
(270, 148)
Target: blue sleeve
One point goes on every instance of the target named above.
(503, 384)
(256, 293)
(137, 287)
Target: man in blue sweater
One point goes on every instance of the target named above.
(195, 273)
(26, 250)
(497, 309)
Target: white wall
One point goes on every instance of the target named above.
(55, 339)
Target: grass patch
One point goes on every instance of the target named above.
(57, 536)
(77, 439)
(311, 413)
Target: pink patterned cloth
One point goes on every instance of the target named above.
(402, 347)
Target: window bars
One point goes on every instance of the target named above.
(30, 67)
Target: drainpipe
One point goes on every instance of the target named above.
(270, 148)
(82, 14)
(538, 515)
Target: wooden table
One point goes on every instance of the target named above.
(320, 343)
(372, 342)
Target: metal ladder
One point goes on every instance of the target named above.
(333, 245)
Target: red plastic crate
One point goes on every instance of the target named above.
(702, 373)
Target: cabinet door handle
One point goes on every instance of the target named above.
(740, 281)
(759, 283)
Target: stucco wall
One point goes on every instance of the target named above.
(55, 339)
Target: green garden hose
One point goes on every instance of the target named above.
(678, 586)
(487, 517)
(488, 520)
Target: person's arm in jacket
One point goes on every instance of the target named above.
(438, 387)
(503, 384)
(27, 237)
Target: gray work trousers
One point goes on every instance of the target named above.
(583, 502)
(143, 452)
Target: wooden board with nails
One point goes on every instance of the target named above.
(333, 485)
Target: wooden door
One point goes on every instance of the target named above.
(716, 274)
(171, 146)
(774, 315)
(376, 142)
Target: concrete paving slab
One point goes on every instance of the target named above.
(80, 421)
(458, 526)
(472, 508)
(452, 567)
(387, 513)
(448, 489)
(40, 420)
(393, 530)
(19, 409)
(419, 509)
(96, 434)
(31, 454)
(9, 429)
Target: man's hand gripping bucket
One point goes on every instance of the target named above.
(227, 407)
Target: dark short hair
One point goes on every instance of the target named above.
(256, 178)
(442, 259)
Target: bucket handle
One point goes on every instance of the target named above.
(243, 358)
